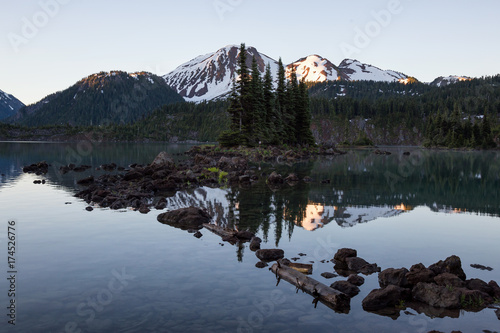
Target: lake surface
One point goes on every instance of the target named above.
(122, 271)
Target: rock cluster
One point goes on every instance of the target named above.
(441, 285)
(347, 262)
(139, 185)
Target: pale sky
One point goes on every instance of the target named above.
(48, 45)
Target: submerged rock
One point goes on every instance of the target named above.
(356, 280)
(275, 178)
(185, 218)
(389, 296)
(270, 254)
(346, 287)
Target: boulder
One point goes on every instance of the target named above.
(451, 265)
(270, 254)
(478, 284)
(495, 289)
(255, 243)
(346, 287)
(393, 276)
(343, 254)
(449, 280)
(419, 273)
(163, 159)
(86, 181)
(389, 296)
(292, 178)
(275, 178)
(328, 275)
(438, 296)
(185, 218)
(359, 265)
(356, 280)
(132, 175)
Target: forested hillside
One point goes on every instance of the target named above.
(104, 98)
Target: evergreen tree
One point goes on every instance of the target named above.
(259, 132)
(272, 118)
(303, 117)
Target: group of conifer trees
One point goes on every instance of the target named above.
(260, 114)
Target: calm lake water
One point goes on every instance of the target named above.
(122, 271)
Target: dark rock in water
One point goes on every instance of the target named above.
(495, 289)
(389, 296)
(261, 264)
(481, 267)
(274, 178)
(144, 210)
(185, 218)
(244, 235)
(255, 243)
(43, 181)
(270, 254)
(307, 179)
(393, 276)
(198, 234)
(356, 280)
(325, 181)
(419, 273)
(39, 168)
(163, 159)
(438, 296)
(346, 287)
(108, 167)
(89, 208)
(342, 254)
(37, 181)
(292, 178)
(302, 254)
(451, 265)
(328, 275)
(86, 181)
(448, 279)
(161, 204)
(478, 284)
(359, 265)
(406, 153)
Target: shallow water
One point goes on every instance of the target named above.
(122, 271)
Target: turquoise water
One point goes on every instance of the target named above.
(122, 271)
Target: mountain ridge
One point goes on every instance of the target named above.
(9, 105)
(100, 99)
(210, 76)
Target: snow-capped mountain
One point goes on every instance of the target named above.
(353, 70)
(211, 76)
(313, 68)
(8, 105)
(444, 81)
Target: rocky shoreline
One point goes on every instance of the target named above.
(441, 289)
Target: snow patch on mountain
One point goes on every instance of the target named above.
(444, 81)
(313, 68)
(353, 70)
(211, 76)
(8, 105)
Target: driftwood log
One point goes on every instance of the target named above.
(332, 298)
(223, 232)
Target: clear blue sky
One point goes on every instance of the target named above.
(76, 38)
